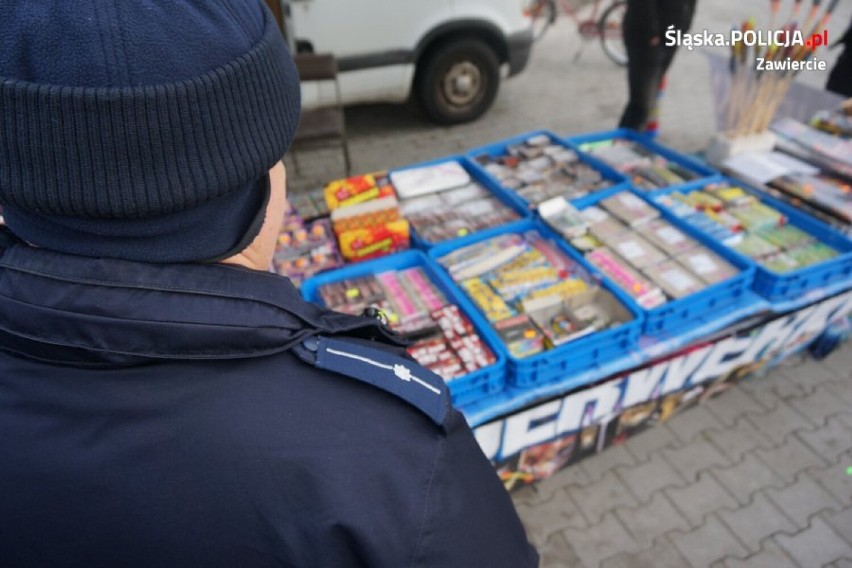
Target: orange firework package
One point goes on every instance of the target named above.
(365, 215)
(371, 242)
(357, 189)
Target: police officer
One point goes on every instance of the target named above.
(165, 401)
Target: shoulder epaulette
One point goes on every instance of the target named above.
(404, 378)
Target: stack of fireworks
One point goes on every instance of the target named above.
(643, 254)
(366, 217)
(443, 202)
(535, 297)
(647, 169)
(444, 338)
(309, 204)
(305, 248)
(539, 169)
(764, 63)
(749, 226)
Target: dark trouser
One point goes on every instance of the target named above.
(646, 68)
(840, 79)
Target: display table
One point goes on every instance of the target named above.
(530, 421)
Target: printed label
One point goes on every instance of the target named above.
(595, 215)
(678, 279)
(631, 250)
(702, 264)
(671, 235)
(631, 201)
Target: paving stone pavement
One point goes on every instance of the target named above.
(754, 478)
(725, 495)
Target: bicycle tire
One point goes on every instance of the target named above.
(543, 14)
(612, 44)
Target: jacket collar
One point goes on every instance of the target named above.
(76, 310)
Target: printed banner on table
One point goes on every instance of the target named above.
(538, 441)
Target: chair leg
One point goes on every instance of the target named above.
(295, 160)
(346, 158)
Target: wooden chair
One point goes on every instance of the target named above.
(322, 125)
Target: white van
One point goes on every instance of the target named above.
(449, 53)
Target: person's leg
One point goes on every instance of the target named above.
(666, 57)
(644, 72)
(840, 79)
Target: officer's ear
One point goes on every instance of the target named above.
(258, 254)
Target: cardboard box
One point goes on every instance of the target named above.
(707, 265)
(666, 237)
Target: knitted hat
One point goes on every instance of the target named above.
(142, 130)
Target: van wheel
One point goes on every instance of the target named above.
(458, 81)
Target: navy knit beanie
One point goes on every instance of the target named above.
(142, 130)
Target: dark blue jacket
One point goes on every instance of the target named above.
(171, 416)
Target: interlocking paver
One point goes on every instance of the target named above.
(842, 389)
(738, 439)
(841, 522)
(845, 418)
(810, 373)
(840, 362)
(734, 404)
(835, 478)
(780, 388)
(568, 477)
(820, 404)
(545, 519)
(600, 541)
(803, 499)
(604, 495)
(747, 477)
(770, 556)
(557, 552)
(652, 520)
(661, 555)
(695, 457)
(830, 440)
(756, 521)
(778, 423)
(528, 495)
(686, 426)
(646, 478)
(654, 439)
(698, 499)
(708, 543)
(790, 458)
(815, 546)
(597, 465)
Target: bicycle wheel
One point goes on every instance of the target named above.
(543, 14)
(609, 27)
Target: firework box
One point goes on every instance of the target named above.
(723, 146)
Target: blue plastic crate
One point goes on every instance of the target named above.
(478, 175)
(700, 168)
(464, 389)
(575, 356)
(711, 302)
(497, 149)
(780, 287)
